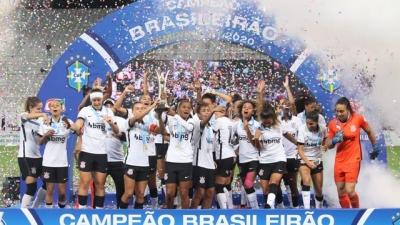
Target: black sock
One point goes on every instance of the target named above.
(123, 205)
(153, 193)
(138, 205)
(99, 201)
(82, 200)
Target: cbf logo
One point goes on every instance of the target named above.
(47, 107)
(78, 72)
(329, 80)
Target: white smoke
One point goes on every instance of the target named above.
(361, 39)
(7, 32)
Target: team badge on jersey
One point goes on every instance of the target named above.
(49, 101)
(130, 172)
(330, 80)
(78, 75)
(202, 180)
(46, 175)
(353, 128)
(33, 170)
(83, 165)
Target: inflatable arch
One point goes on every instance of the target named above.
(145, 25)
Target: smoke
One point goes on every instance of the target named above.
(7, 32)
(361, 40)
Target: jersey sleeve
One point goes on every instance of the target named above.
(301, 135)
(321, 120)
(363, 122)
(331, 128)
(83, 113)
(41, 130)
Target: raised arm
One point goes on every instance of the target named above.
(141, 115)
(224, 97)
(290, 96)
(260, 93)
(118, 104)
(108, 92)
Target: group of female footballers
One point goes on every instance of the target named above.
(193, 150)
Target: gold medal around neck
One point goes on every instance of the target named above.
(144, 147)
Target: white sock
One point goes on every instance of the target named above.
(319, 204)
(252, 198)
(306, 199)
(176, 200)
(99, 207)
(48, 206)
(243, 197)
(154, 202)
(134, 199)
(62, 203)
(40, 195)
(26, 201)
(289, 195)
(229, 201)
(82, 207)
(146, 191)
(190, 202)
(271, 200)
(221, 197)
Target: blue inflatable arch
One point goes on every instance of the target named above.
(139, 27)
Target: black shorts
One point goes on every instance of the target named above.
(30, 167)
(161, 150)
(225, 167)
(204, 178)
(244, 168)
(177, 172)
(153, 163)
(88, 162)
(266, 170)
(137, 173)
(318, 169)
(55, 174)
(292, 165)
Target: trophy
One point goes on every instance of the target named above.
(163, 105)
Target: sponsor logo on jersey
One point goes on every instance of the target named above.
(78, 72)
(272, 141)
(47, 107)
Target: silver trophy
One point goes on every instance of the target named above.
(162, 79)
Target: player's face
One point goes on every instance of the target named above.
(204, 112)
(267, 122)
(96, 103)
(36, 109)
(311, 107)
(213, 81)
(55, 108)
(247, 110)
(341, 112)
(137, 108)
(146, 100)
(312, 125)
(184, 110)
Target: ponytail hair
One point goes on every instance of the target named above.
(267, 112)
(345, 101)
(31, 102)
